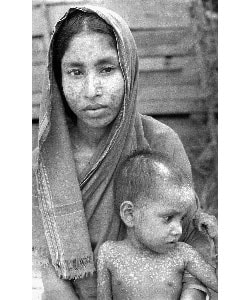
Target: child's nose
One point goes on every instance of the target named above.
(176, 228)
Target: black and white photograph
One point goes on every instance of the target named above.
(125, 150)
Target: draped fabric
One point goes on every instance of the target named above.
(74, 214)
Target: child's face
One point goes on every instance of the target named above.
(158, 224)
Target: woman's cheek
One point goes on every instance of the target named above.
(117, 92)
(71, 92)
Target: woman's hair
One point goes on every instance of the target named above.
(74, 24)
(138, 175)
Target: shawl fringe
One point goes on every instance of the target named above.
(75, 269)
(66, 269)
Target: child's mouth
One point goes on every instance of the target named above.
(172, 243)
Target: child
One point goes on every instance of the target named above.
(154, 197)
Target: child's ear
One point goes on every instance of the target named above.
(127, 213)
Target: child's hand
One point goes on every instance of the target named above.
(207, 223)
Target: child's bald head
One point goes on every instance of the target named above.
(143, 173)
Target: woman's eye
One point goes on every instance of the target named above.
(107, 70)
(74, 72)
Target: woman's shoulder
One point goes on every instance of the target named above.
(160, 136)
(153, 126)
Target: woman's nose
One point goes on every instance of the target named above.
(90, 87)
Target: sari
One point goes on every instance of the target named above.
(73, 214)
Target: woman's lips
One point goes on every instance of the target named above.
(94, 107)
(94, 110)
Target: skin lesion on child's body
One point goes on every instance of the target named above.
(145, 274)
(150, 262)
(141, 273)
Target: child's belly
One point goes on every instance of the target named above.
(163, 285)
(146, 295)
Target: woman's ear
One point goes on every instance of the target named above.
(127, 213)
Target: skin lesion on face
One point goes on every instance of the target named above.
(103, 67)
(157, 225)
(92, 79)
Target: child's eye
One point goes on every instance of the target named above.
(167, 219)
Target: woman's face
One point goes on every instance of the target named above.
(92, 80)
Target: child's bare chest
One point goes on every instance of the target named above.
(145, 278)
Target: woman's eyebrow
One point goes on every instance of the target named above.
(99, 62)
(107, 60)
(73, 64)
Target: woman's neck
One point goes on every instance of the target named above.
(89, 136)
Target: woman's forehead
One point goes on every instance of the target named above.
(86, 46)
(92, 39)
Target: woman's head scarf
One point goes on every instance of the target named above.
(68, 209)
(73, 214)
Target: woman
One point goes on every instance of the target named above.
(88, 123)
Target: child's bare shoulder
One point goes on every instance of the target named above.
(111, 253)
(183, 247)
(186, 250)
(110, 248)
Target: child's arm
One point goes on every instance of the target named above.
(104, 290)
(198, 267)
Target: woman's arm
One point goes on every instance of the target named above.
(45, 283)
(191, 293)
(207, 223)
(51, 287)
(104, 290)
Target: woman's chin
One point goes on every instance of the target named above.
(96, 123)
